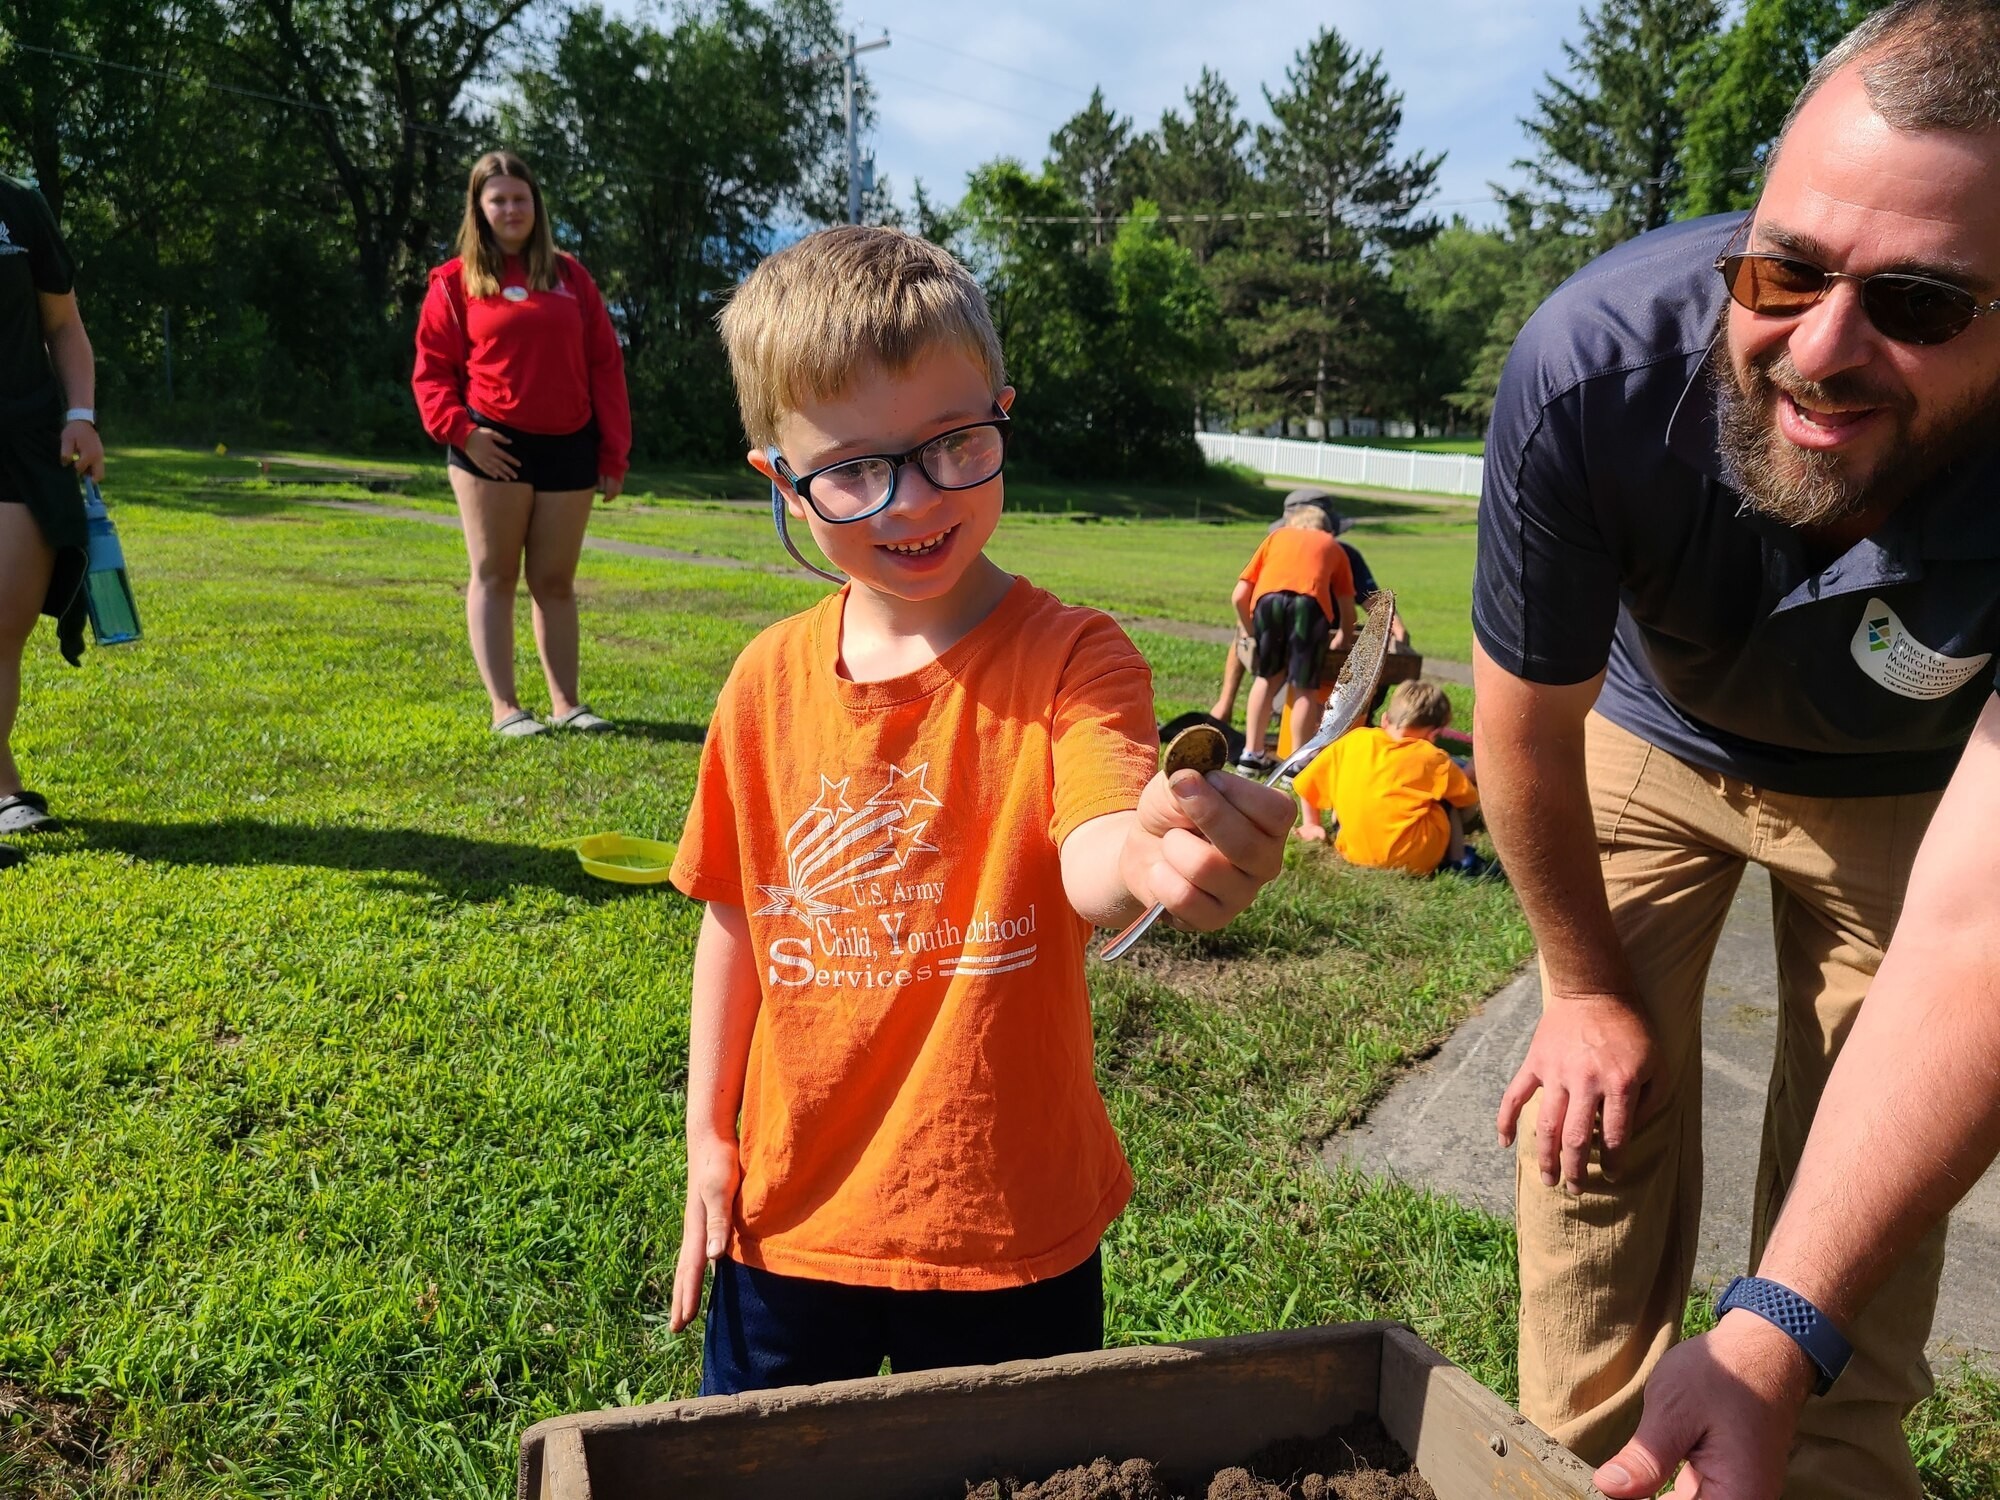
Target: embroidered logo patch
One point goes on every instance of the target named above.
(1900, 662)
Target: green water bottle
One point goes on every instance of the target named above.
(114, 616)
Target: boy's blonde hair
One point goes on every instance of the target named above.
(1307, 518)
(1417, 705)
(810, 316)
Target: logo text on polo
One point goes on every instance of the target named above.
(1900, 662)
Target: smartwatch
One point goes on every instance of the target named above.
(1805, 1325)
(81, 414)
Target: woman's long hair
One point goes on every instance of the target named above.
(481, 254)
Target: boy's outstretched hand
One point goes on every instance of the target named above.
(1203, 846)
(715, 1171)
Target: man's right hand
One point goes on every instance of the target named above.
(1727, 1405)
(1593, 1055)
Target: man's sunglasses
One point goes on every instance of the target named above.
(1908, 309)
(856, 488)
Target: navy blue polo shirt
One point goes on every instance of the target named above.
(1610, 539)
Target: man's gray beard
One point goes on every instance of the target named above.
(1807, 489)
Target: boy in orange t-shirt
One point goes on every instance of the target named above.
(1398, 797)
(1296, 585)
(916, 800)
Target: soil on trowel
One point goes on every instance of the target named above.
(1356, 1462)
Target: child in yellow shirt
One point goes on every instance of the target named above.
(1397, 796)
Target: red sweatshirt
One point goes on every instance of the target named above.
(545, 364)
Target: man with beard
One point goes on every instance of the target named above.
(1738, 599)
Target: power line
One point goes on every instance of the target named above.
(987, 62)
(964, 97)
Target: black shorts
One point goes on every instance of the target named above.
(548, 463)
(766, 1329)
(1292, 634)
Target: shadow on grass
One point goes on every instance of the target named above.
(465, 869)
(659, 732)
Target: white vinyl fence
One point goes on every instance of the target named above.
(1381, 468)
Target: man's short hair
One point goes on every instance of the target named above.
(808, 318)
(1307, 518)
(1926, 64)
(1417, 705)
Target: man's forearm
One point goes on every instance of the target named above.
(1536, 798)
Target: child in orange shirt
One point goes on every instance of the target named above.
(1286, 602)
(916, 800)
(1398, 798)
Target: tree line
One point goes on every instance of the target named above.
(255, 189)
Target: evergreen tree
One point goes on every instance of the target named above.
(1091, 156)
(1197, 163)
(1608, 138)
(1739, 88)
(1313, 312)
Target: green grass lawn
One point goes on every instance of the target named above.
(340, 1113)
(1159, 563)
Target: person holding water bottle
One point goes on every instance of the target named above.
(520, 376)
(48, 436)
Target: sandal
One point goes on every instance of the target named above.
(25, 812)
(519, 725)
(580, 720)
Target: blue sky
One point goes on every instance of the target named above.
(962, 84)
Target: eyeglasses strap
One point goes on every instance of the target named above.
(784, 535)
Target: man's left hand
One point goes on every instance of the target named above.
(1203, 846)
(83, 447)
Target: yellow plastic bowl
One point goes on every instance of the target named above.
(620, 857)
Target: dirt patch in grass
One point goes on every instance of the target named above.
(55, 1447)
(1357, 1462)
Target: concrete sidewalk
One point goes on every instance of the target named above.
(1435, 1128)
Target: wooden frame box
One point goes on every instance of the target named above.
(1195, 1406)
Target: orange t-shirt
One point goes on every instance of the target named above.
(920, 1109)
(1386, 793)
(1295, 561)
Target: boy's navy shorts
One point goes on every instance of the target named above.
(1292, 633)
(549, 464)
(766, 1330)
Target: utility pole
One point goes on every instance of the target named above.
(851, 77)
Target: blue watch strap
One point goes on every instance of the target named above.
(1825, 1345)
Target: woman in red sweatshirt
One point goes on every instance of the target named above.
(520, 375)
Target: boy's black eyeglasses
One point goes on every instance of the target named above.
(1908, 309)
(856, 488)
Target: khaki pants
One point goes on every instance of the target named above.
(1604, 1275)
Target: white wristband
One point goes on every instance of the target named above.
(81, 414)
